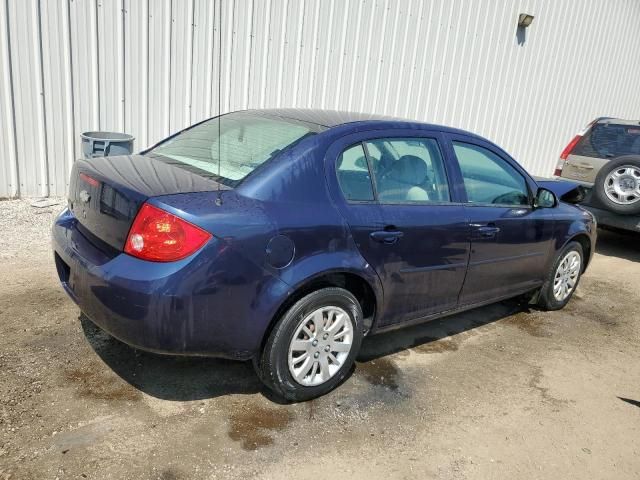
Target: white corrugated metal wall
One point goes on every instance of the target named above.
(150, 67)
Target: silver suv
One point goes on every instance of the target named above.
(605, 158)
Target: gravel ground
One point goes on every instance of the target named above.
(499, 392)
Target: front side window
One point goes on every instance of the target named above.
(488, 179)
(230, 147)
(353, 174)
(408, 170)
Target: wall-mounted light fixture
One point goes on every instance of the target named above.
(524, 20)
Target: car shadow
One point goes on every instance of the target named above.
(172, 377)
(618, 243)
(181, 378)
(425, 334)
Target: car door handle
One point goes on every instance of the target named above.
(388, 237)
(486, 231)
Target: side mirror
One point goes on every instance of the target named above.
(545, 199)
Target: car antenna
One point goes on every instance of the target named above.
(219, 196)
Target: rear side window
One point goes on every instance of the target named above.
(488, 179)
(353, 174)
(607, 140)
(408, 170)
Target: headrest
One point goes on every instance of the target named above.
(409, 169)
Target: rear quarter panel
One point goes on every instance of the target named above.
(289, 200)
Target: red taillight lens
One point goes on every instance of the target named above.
(565, 153)
(89, 180)
(159, 236)
(567, 150)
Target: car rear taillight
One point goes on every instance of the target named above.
(159, 236)
(565, 153)
(89, 180)
(570, 146)
(567, 150)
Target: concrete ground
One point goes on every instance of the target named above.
(500, 392)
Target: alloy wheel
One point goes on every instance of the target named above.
(622, 185)
(566, 276)
(320, 346)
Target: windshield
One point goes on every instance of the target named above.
(246, 141)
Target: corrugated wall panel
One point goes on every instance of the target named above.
(84, 68)
(241, 45)
(136, 69)
(202, 81)
(159, 70)
(8, 159)
(259, 59)
(181, 64)
(274, 45)
(58, 108)
(151, 67)
(308, 51)
(111, 59)
(26, 76)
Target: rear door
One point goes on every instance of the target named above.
(355, 199)
(424, 269)
(510, 240)
(401, 213)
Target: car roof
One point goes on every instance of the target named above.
(617, 121)
(336, 118)
(324, 118)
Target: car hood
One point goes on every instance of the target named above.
(566, 191)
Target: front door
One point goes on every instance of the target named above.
(510, 240)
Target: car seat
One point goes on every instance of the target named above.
(405, 180)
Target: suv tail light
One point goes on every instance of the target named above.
(567, 150)
(565, 153)
(159, 236)
(571, 145)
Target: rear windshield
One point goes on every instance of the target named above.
(230, 147)
(608, 140)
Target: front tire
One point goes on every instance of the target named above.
(563, 278)
(313, 346)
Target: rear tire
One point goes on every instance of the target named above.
(563, 278)
(617, 185)
(301, 361)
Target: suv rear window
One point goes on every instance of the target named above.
(234, 147)
(607, 140)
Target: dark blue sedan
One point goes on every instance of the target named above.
(286, 236)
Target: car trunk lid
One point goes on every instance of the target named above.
(106, 193)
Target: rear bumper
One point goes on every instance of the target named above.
(608, 218)
(615, 220)
(206, 304)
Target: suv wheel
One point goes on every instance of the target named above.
(617, 185)
(313, 345)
